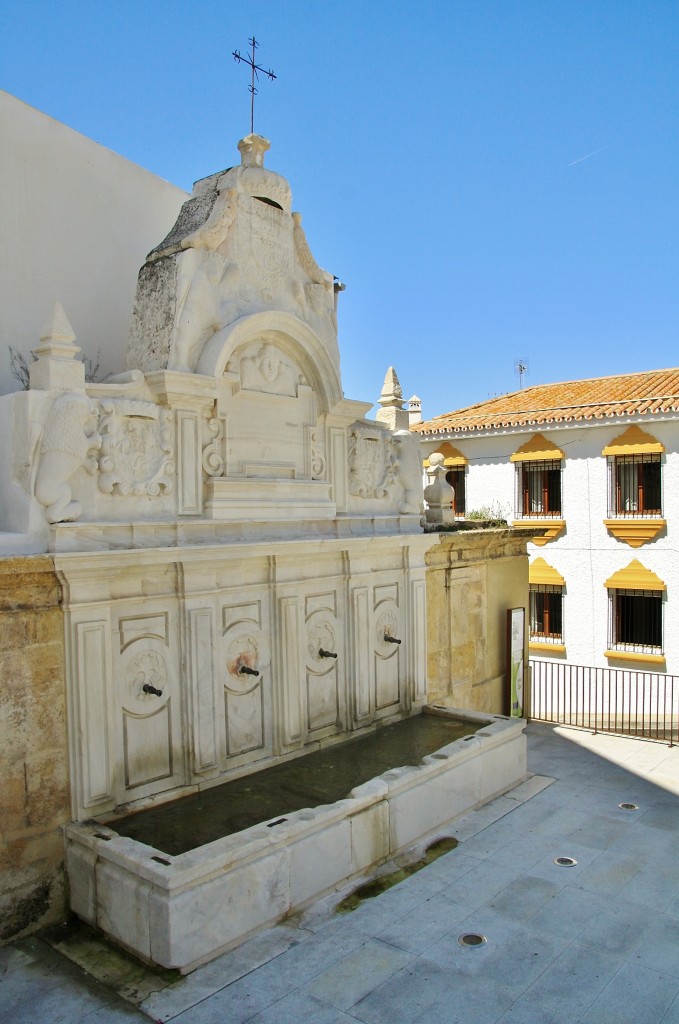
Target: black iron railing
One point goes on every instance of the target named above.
(606, 699)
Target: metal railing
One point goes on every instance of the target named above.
(606, 699)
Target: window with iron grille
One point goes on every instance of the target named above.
(539, 488)
(634, 486)
(635, 622)
(546, 612)
(456, 478)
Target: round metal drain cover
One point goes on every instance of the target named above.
(629, 807)
(472, 939)
(565, 862)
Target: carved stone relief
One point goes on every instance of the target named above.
(372, 462)
(386, 618)
(146, 683)
(324, 670)
(246, 657)
(318, 462)
(321, 644)
(69, 440)
(214, 460)
(263, 367)
(387, 625)
(136, 452)
(270, 244)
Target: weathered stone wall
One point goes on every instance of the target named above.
(34, 794)
(472, 578)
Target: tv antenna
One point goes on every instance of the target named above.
(254, 68)
(520, 369)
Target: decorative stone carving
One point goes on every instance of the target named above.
(56, 367)
(68, 442)
(320, 637)
(391, 411)
(235, 250)
(215, 230)
(243, 654)
(439, 495)
(263, 367)
(318, 276)
(318, 463)
(273, 260)
(145, 669)
(409, 471)
(213, 452)
(387, 624)
(136, 448)
(372, 462)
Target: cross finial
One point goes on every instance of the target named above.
(255, 68)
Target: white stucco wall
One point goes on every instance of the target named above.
(585, 553)
(76, 222)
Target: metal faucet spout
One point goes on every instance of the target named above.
(245, 670)
(390, 639)
(326, 654)
(147, 688)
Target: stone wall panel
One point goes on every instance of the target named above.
(34, 796)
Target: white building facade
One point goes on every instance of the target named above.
(596, 464)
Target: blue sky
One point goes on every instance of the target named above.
(492, 180)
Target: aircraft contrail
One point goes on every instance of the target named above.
(587, 156)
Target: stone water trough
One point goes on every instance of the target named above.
(181, 911)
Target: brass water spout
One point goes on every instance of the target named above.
(326, 654)
(390, 639)
(245, 670)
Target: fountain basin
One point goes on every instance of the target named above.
(181, 911)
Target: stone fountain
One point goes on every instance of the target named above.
(243, 570)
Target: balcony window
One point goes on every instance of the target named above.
(546, 613)
(635, 486)
(636, 621)
(635, 617)
(539, 489)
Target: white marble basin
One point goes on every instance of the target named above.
(182, 911)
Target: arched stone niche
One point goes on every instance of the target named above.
(290, 336)
(276, 386)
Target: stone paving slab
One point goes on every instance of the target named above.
(596, 943)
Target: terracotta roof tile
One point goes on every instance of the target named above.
(654, 391)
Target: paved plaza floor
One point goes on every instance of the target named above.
(595, 941)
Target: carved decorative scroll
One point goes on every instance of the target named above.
(213, 452)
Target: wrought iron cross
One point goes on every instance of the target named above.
(255, 68)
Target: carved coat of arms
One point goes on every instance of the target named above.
(270, 242)
(372, 463)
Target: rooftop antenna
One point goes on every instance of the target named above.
(521, 368)
(255, 68)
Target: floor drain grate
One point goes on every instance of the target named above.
(565, 862)
(472, 939)
(629, 807)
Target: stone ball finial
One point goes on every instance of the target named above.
(438, 494)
